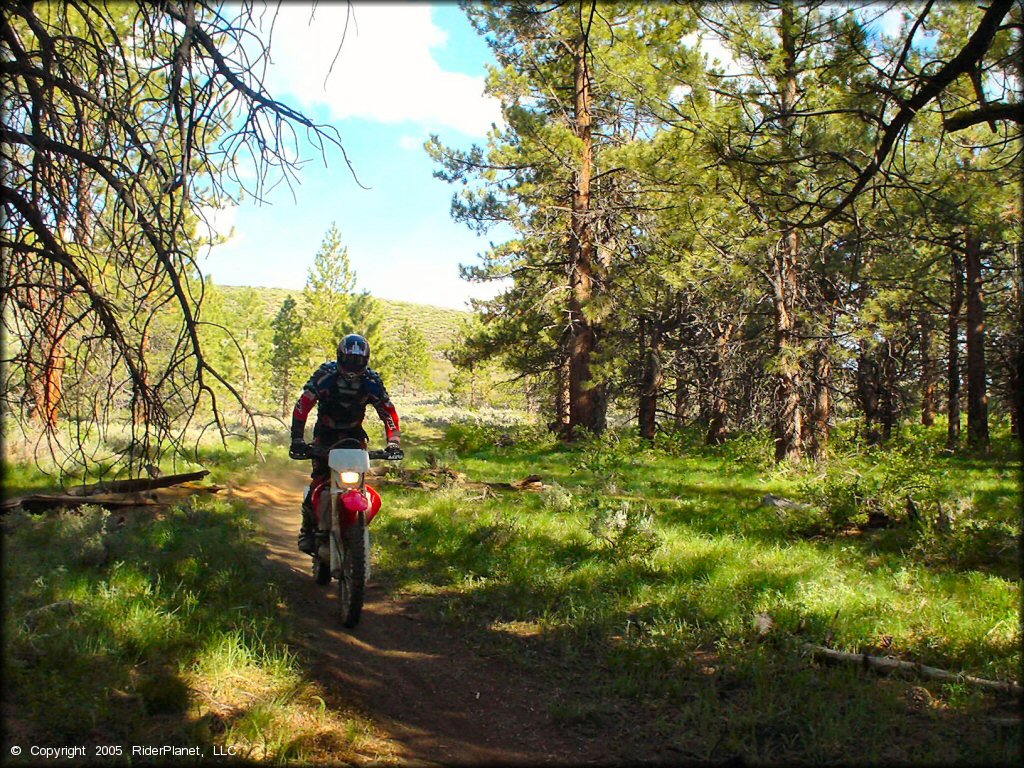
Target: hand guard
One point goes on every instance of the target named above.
(298, 450)
(394, 451)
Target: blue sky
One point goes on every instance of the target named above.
(404, 71)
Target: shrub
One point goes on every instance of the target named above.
(558, 499)
(465, 437)
(626, 531)
(885, 487)
(969, 544)
(605, 455)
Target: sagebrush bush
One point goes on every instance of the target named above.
(624, 530)
(557, 499)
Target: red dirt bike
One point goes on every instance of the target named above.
(344, 506)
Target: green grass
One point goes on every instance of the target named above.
(639, 574)
(26, 470)
(156, 628)
(633, 583)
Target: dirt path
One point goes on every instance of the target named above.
(419, 682)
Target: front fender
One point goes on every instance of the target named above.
(353, 501)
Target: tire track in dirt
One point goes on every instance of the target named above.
(418, 681)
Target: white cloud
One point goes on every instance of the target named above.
(711, 45)
(384, 70)
(889, 23)
(411, 143)
(680, 92)
(220, 223)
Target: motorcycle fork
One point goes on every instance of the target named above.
(337, 528)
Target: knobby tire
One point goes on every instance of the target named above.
(352, 584)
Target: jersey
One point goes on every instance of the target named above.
(341, 403)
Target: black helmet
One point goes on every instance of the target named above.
(353, 354)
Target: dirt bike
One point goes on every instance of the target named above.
(344, 506)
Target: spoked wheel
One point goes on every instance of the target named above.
(352, 583)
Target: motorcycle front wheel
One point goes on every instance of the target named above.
(352, 583)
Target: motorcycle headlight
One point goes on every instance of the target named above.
(349, 478)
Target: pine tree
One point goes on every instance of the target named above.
(325, 299)
(569, 99)
(332, 309)
(412, 360)
(284, 353)
(365, 316)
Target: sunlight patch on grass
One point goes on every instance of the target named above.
(547, 569)
(158, 627)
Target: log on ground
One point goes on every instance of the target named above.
(886, 665)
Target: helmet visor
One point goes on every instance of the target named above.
(350, 363)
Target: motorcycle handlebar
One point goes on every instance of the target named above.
(311, 450)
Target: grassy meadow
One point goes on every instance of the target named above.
(652, 585)
(159, 628)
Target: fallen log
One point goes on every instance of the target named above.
(468, 485)
(887, 665)
(138, 484)
(530, 483)
(40, 502)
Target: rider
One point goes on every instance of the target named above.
(341, 389)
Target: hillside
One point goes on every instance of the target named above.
(438, 324)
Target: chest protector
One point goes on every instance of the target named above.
(341, 403)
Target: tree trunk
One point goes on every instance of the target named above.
(867, 388)
(977, 396)
(286, 392)
(586, 400)
(821, 403)
(1017, 380)
(887, 392)
(719, 405)
(679, 404)
(562, 395)
(956, 298)
(53, 386)
(139, 412)
(650, 381)
(816, 431)
(649, 387)
(784, 273)
(46, 356)
(788, 412)
(927, 370)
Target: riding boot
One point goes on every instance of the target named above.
(307, 542)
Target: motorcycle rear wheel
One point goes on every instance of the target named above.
(352, 584)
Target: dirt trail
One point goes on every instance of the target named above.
(419, 682)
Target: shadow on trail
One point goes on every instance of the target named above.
(418, 680)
